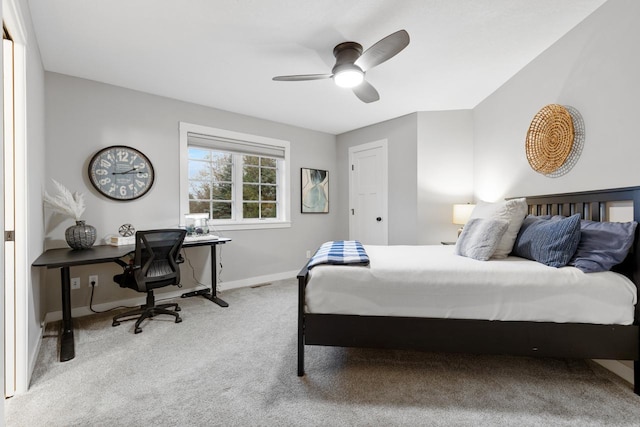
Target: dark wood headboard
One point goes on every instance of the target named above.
(592, 205)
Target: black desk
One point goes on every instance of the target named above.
(64, 258)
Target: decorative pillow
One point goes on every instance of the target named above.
(551, 242)
(513, 211)
(480, 238)
(603, 245)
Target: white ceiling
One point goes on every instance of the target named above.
(223, 53)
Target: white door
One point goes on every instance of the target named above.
(9, 219)
(368, 220)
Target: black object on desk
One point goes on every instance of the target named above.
(65, 258)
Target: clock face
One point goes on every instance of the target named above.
(121, 173)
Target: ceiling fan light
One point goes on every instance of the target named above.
(348, 78)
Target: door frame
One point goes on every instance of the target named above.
(383, 144)
(12, 18)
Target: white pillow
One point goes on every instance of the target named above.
(480, 238)
(513, 211)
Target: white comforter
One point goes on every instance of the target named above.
(430, 281)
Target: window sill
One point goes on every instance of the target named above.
(251, 225)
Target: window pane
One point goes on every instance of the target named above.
(251, 160)
(199, 170)
(199, 153)
(250, 174)
(199, 190)
(222, 165)
(217, 187)
(265, 161)
(250, 192)
(267, 176)
(269, 192)
(221, 192)
(198, 207)
(220, 210)
(269, 210)
(250, 210)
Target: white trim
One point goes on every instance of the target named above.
(224, 286)
(618, 368)
(23, 270)
(251, 225)
(13, 19)
(284, 175)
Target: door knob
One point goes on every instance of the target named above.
(379, 219)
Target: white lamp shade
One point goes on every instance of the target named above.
(462, 212)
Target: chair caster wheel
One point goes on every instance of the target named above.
(178, 320)
(138, 330)
(115, 323)
(178, 309)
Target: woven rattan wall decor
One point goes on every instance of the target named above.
(555, 140)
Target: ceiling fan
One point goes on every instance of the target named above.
(352, 64)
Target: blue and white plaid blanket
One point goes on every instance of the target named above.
(340, 252)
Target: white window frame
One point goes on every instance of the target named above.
(284, 198)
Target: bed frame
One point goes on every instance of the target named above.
(519, 338)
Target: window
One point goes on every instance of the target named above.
(239, 180)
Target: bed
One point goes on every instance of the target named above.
(611, 334)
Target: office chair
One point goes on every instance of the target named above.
(154, 265)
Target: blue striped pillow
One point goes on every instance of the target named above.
(549, 241)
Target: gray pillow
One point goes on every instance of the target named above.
(549, 241)
(603, 245)
(513, 211)
(480, 237)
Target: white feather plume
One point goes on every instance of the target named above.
(65, 203)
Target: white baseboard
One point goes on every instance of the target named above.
(618, 368)
(225, 286)
(33, 358)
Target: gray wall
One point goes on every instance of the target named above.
(430, 167)
(445, 172)
(401, 134)
(595, 68)
(35, 178)
(84, 116)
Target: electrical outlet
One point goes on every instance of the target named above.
(75, 283)
(308, 254)
(93, 279)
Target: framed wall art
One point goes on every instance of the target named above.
(314, 191)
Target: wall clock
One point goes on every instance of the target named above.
(121, 173)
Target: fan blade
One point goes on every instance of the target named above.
(302, 77)
(384, 50)
(366, 92)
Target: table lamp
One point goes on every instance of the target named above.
(461, 214)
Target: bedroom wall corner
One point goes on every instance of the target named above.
(591, 69)
(444, 171)
(401, 134)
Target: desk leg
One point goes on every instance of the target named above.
(67, 346)
(209, 294)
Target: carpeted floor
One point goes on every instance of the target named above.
(236, 366)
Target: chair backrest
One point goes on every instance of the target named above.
(156, 258)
